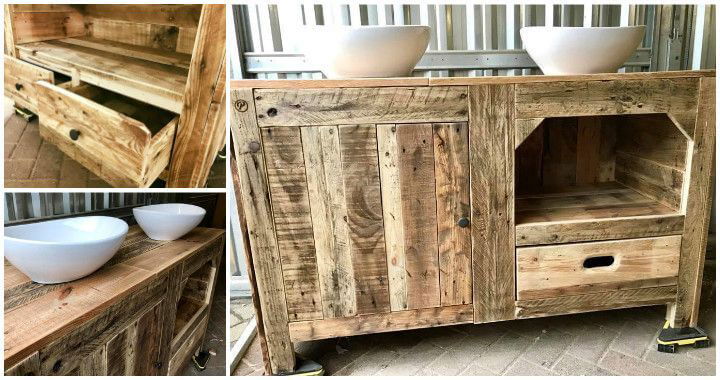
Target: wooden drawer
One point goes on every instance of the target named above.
(123, 141)
(20, 78)
(572, 269)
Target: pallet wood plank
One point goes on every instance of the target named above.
(19, 80)
(387, 105)
(128, 50)
(255, 197)
(491, 201)
(41, 26)
(589, 138)
(381, 322)
(30, 366)
(288, 187)
(453, 203)
(697, 212)
(187, 15)
(321, 149)
(120, 352)
(361, 179)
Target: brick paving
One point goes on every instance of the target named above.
(616, 342)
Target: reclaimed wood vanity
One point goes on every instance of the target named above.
(131, 92)
(389, 204)
(145, 312)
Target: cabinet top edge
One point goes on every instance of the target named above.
(458, 81)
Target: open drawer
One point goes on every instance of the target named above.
(123, 141)
(20, 78)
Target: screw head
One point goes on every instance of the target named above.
(463, 222)
(254, 146)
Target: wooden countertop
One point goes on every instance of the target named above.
(37, 314)
(460, 81)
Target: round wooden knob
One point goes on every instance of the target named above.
(18, 86)
(463, 222)
(272, 112)
(74, 134)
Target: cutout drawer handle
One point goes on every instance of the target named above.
(598, 262)
(74, 134)
(18, 86)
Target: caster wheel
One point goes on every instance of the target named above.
(702, 343)
(669, 348)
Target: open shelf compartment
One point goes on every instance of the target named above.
(588, 178)
(193, 303)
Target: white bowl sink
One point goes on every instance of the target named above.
(168, 221)
(575, 50)
(65, 249)
(365, 51)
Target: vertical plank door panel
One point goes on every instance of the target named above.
(321, 148)
(255, 197)
(452, 183)
(361, 179)
(293, 221)
(492, 201)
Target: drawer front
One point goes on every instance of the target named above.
(117, 148)
(20, 78)
(572, 269)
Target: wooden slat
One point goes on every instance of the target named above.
(30, 366)
(41, 26)
(94, 364)
(161, 37)
(407, 105)
(453, 203)
(182, 15)
(381, 322)
(589, 139)
(593, 229)
(524, 128)
(558, 270)
(201, 129)
(597, 301)
(120, 352)
(128, 50)
(153, 83)
(24, 75)
(255, 197)
(662, 183)
(358, 149)
(293, 221)
(601, 98)
(698, 208)
(323, 164)
(491, 201)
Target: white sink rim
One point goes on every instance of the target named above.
(181, 219)
(64, 221)
(158, 209)
(554, 52)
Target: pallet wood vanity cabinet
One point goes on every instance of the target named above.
(145, 312)
(132, 92)
(389, 204)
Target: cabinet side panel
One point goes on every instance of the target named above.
(321, 148)
(697, 215)
(452, 187)
(361, 176)
(492, 201)
(293, 222)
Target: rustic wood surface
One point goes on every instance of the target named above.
(57, 310)
(41, 26)
(381, 322)
(257, 209)
(697, 212)
(151, 54)
(492, 201)
(180, 15)
(20, 78)
(385, 105)
(559, 270)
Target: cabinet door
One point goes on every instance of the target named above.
(136, 349)
(370, 218)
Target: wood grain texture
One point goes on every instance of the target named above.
(94, 364)
(381, 322)
(30, 366)
(155, 36)
(153, 83)
(255, 197)
(589, 138)
(142, 52)
(697, 212)
(524, 128)
(491, 201)
(358, 149)
(201, 128)
(593, 229)
(384, 105)
(559, 270)
(20, 78)
(612, 97)
(596, 301)
(120, 352)
(9, 47)
(393, 215)
(452, 189)
(165, 14)
(323, 165)
(41, 26)
(288, 187)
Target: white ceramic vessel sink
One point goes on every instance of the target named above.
(575, 50)
(366, 51)
(65, 249)
(168, 221)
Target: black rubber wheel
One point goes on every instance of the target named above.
(702, 343)
(669, 348)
